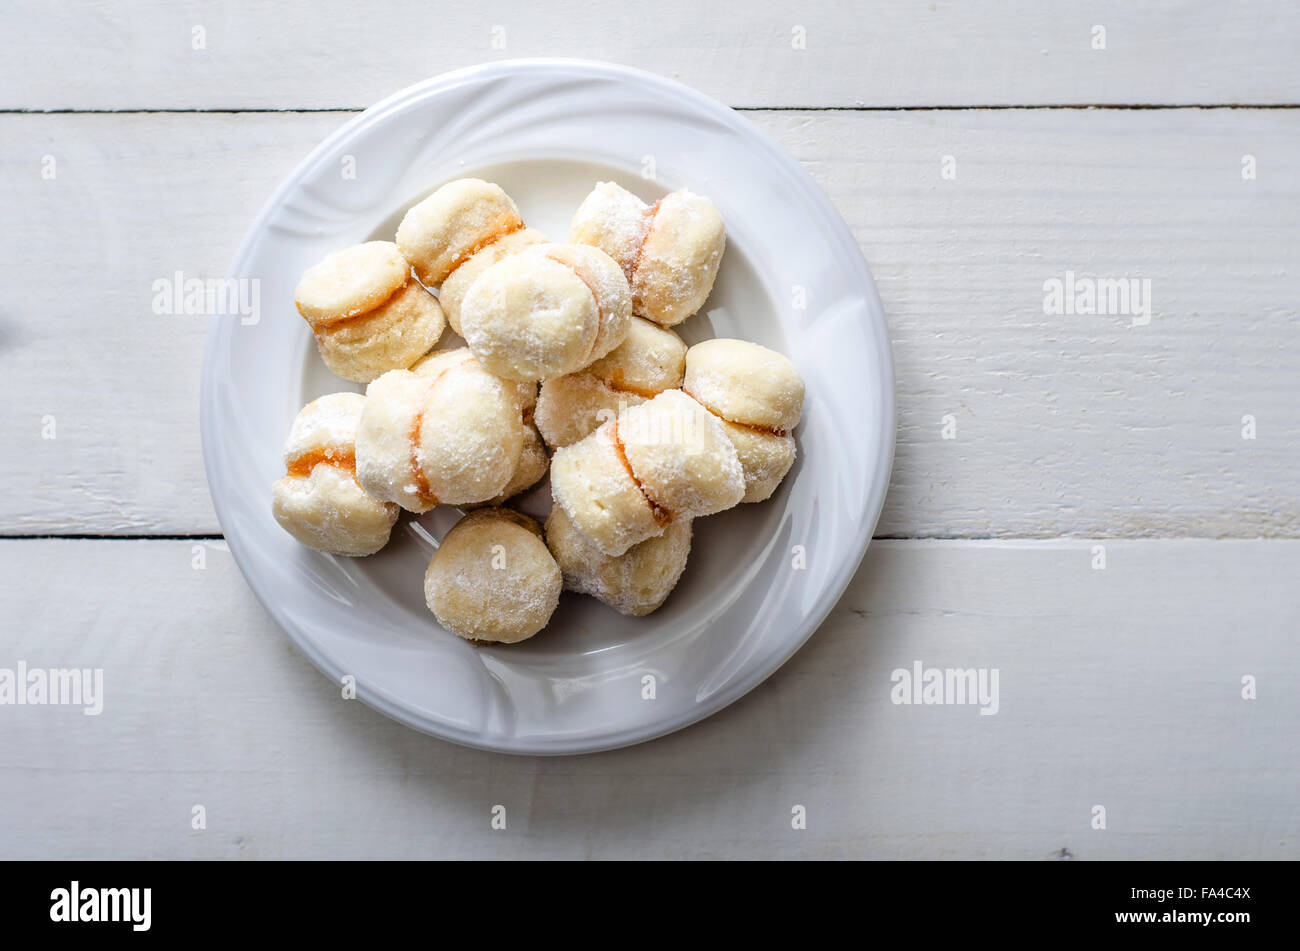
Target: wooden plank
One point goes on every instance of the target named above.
(1118, 687)
(96, 54)
(1065, 424)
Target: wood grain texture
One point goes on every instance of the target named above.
(97, 54)
(1119, 688)
(1064, 424)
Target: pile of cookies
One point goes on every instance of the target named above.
(641, 434)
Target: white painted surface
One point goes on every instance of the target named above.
(1118, 687)
(1064, 424)
(97, 54)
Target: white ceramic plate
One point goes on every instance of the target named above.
(547, 130)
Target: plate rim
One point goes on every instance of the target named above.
(827, 598)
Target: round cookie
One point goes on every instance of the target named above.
(350, 282)
(452, 293)
(634, 583)
(663, 460)
(546, 311)
(681, 455)
(493, 578)
(764, 457)
(669, 251)
(451, 433)
(532, 465)
(613, 219)
(435, 362)
(571, 407)
(745, 383)
(368, 313)
(319, 501)
(533, 461)
(450, 226)
(328, 511)
(650, 360)
(759, 396)
(593, 483)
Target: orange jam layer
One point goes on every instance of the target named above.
(765, 430)
(620, 385)
(321, 327)
(660, 514)
(485, 243)
(423, 491)
(301, 466)
(582, 274)
(647, 222)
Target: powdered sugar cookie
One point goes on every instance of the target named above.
(435, 362)
(650, 360)
(745, 383)
(759, 394)
(764, 457)
(451, 433)
(458, 282)
(546, 311)
(634, 583)
(319, 501)
(368, 314)
(493, 578)
(663, 460)
(681, 455)
(449, 227)
(669, 251)
(593, 483)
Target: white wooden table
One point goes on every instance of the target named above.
(978, 151)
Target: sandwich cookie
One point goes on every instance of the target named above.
(669, 251)
(368, 313)
(663, 460)
(634, 583)
(758, 394)
(448, 432)
(650, 360)
(546, 311)
(319, 501)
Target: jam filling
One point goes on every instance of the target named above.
(302, 466)
(322, 327)
(582, 274)
(618, 384)
(647, 222)
(764, 430)
(423, 491)
(485, 243)
(660, 514)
